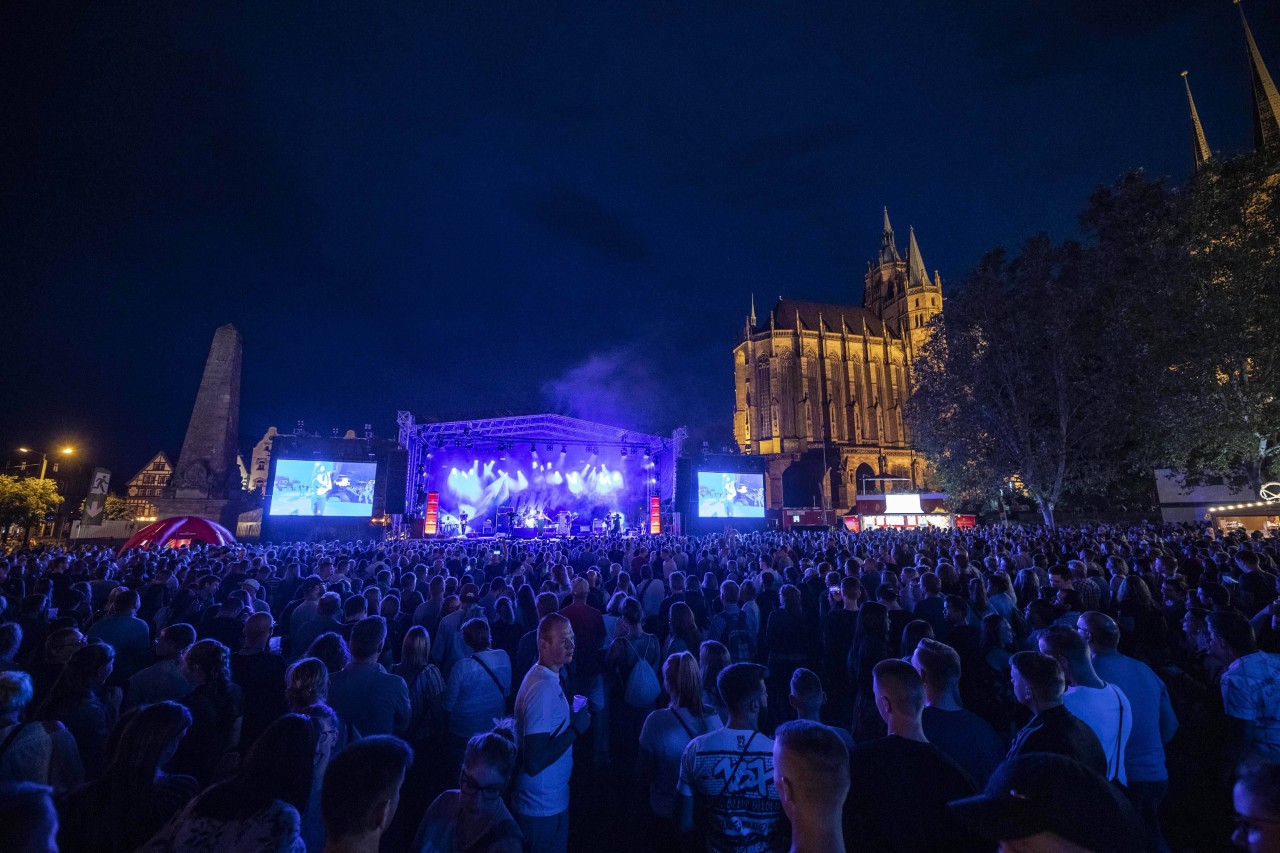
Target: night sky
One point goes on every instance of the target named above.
(471, 209)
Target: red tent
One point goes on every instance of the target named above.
(176, 532)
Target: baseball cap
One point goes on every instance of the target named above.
(1043, 792)
(252, 584)
(469, 592)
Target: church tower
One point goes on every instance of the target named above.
(1199, 144)
(1266, 100)
(900, 291)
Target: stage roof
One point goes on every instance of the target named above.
(534, 428)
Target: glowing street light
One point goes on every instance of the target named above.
(44, 457)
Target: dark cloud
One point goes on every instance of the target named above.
(567, 212)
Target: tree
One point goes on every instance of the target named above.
(1018, 386)
(26, 501)
(1222, 383)
(116, 508)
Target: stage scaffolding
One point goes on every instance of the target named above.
(418, 439)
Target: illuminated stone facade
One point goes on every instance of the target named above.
(819, 388)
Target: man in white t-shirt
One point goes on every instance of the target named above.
(547, 724)
(1102, 706)
(727, 776)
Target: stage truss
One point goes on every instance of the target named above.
(419, 439)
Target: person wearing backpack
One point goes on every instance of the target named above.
(632, 666)
(731, 628)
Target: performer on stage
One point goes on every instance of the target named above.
(462, 523)
(321, 485)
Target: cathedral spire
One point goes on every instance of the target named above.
(888, 251)
(1266, 101)
(753, 309)
(1199, 145)
(916, 273)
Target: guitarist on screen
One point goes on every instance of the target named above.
(321, 485)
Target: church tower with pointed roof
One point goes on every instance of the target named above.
(899, 290)
(819, 388)
(1199, 144)
(1266, 100)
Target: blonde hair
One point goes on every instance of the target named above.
(306, 683)
(683, 682)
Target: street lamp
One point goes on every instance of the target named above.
(44, 457)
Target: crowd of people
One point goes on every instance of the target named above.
(1092, 688)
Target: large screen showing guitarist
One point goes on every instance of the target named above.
(322, 487)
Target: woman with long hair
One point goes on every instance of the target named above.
(979, 604)
(474, 818)
(134, 797)
(1026, 587)
(685, 634)
(870, 646)
(78, 701)
(663, 739)
(217, 710)
(426, 686)
(504, 627)
(258, 809)
(992, 698)
(712, 658)
(526, 608)
(1143, 631)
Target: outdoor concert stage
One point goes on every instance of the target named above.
(539, 476)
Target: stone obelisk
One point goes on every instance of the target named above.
(206, 481)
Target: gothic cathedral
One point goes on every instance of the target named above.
(819, 389)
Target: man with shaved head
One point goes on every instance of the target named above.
(901, 782)
(260, 674)
(1154, 722)
(811, 772)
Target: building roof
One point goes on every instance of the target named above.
(146, 469)
(834, 318)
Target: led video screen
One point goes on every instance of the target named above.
(321, 487)
(723, 495)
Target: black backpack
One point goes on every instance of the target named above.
(737, 638)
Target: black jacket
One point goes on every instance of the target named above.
(1059, 731)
